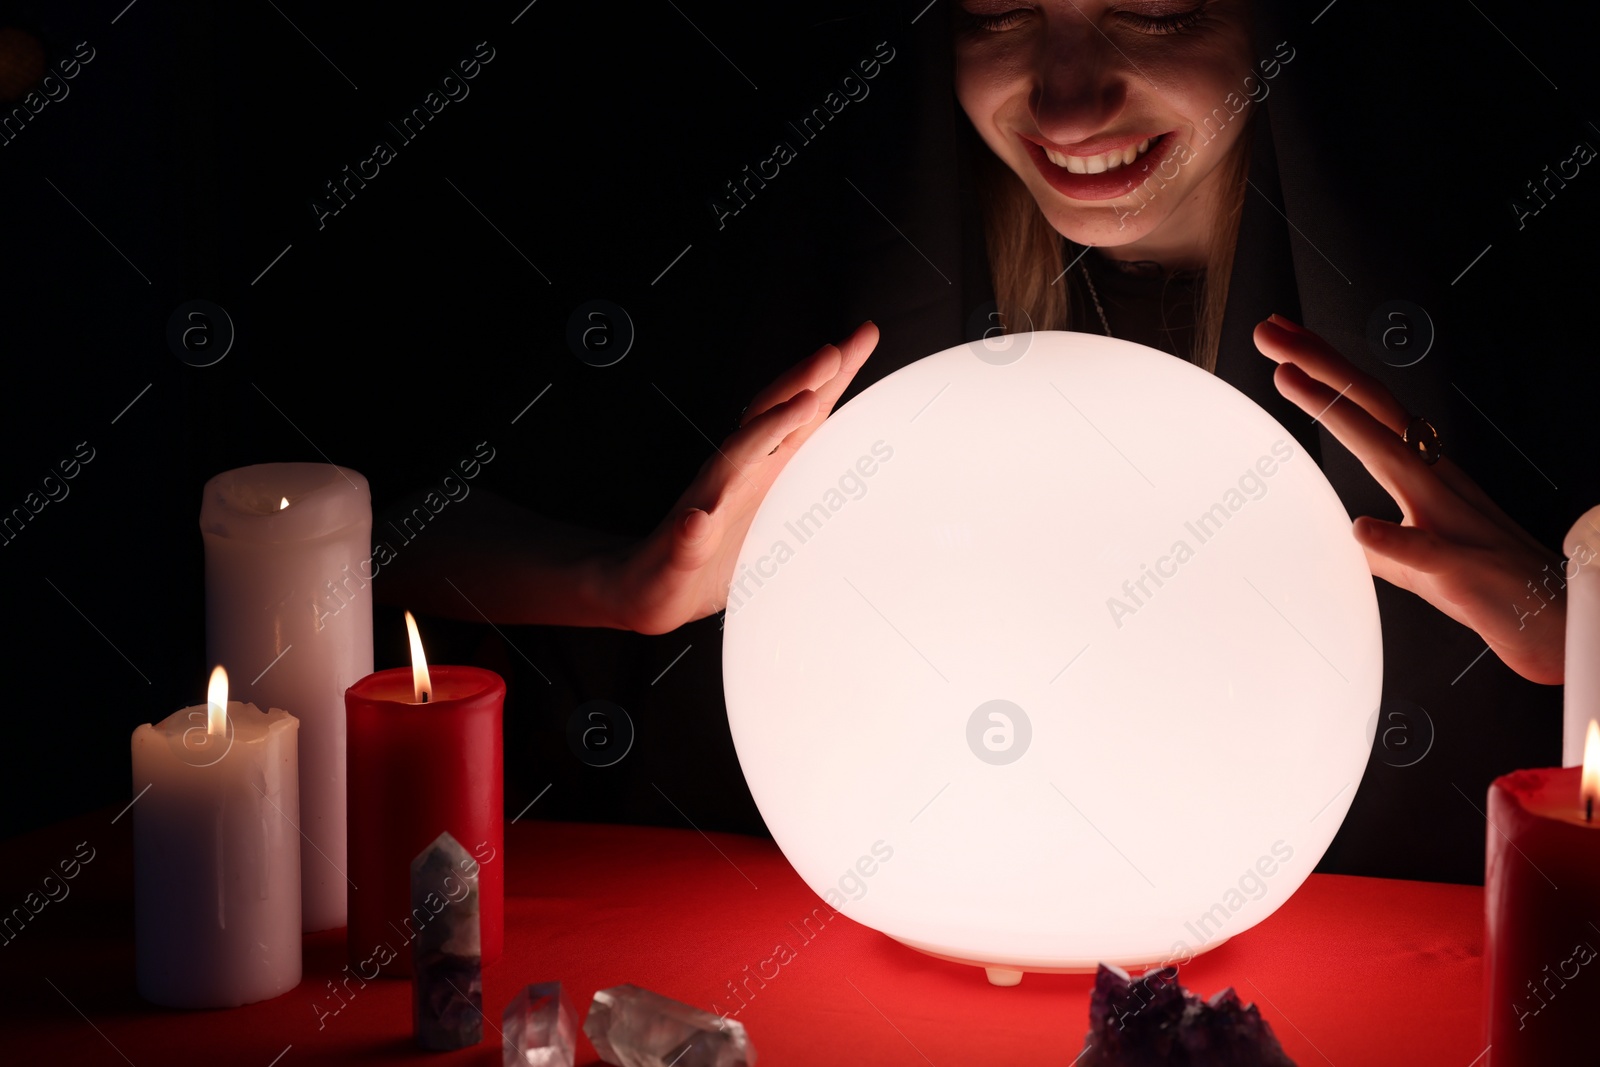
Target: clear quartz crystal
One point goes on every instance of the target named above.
(540, 1028)
(633, 1027)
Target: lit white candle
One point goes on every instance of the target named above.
(1581, 696)
(216, 854)
(289, 605)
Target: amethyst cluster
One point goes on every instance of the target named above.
(1152, 1021)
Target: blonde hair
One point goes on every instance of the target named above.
(1027, 257)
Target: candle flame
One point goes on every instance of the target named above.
(217, 703)
(1589, 790)
(421, 685)
(283, 503)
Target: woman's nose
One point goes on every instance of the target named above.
(1080, 80)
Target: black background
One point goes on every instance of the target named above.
(407, 328)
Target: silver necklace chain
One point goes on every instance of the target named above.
(1095, 296)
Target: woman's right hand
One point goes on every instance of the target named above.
(681, 572)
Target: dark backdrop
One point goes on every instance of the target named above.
(186, 159)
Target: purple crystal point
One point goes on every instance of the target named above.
(1152, 1021)
(446, 958)
(540, 1028)
(633, 1027)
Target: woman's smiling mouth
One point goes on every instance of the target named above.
(1117, 166)
(1097, 164)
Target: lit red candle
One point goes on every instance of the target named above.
(426, 756)
(1542, 900)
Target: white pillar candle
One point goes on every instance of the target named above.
(1581, 697)
(216, 855)
(289, 608)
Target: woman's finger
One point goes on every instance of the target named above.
(747, 451)
(830, 364)
(785, 426)
(853, 351)
(1391, 461)
(692, 543)
(1282, 341)
(762, 435)
(1425, 564)
(1406, 546)
(813, 372)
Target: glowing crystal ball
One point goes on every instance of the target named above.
(1051, 650)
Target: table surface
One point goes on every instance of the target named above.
(1351, 971)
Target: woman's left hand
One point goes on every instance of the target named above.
(1454, 547)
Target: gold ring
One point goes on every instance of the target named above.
(1424, 439)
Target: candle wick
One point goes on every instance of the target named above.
(1588, 814)
(425, 700)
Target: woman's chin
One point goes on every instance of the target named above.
(1110, 228)
(1126, 229)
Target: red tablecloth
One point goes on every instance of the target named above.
(1358, 972)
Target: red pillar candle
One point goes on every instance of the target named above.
(1542, 901)
(415, 770)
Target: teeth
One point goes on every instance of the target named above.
(1101, 163)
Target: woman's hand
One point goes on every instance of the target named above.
(1454, 547)
(681, 572)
